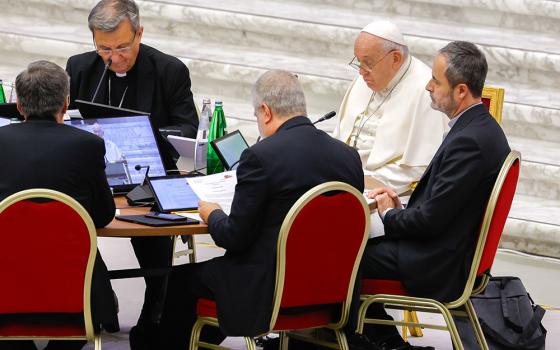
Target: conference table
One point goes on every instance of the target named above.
(123, 229)
(119, 228)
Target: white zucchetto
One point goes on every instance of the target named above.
(385, 30)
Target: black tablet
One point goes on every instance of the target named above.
(229, 148)
(173, 193)
(143, 220)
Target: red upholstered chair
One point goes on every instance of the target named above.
(320, 245)
(394, 295)
(47, 251)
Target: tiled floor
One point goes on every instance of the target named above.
(118, 254)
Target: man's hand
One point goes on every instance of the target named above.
(386, 198)
(206, 208)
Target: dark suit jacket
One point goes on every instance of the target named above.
(272, 175)
(163, 90)
(438, 229)
(44, 154)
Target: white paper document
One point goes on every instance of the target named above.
(218, 188)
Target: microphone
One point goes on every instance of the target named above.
(147, 167)
(325, 117)
(107, 65)
(141, 194)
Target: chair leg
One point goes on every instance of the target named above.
(456, 340)
(341, 339)
(97, 342)
(195, 335)
(284, 341)
(476, 325)
(250, 342)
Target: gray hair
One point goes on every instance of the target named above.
(466, 64)
(389, 46)
(42, 89)
(281, 91)
(108, 14)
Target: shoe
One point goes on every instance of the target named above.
(361, 342)
(407, 346)
(139, 338)
(397, 343)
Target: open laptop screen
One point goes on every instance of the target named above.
(129, 142)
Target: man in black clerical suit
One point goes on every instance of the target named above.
(42, 152)
(292, 157)
(429, 245)
(140, 78)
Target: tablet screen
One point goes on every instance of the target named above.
(229, 148)
(173, 193)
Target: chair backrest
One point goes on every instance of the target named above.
(493, 98)
(493, 221)
(47, 251)
(320, 245)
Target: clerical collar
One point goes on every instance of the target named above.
(120, 75)
(398, 77)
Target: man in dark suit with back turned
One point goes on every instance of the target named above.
(292, 158)
(429, 246)
(42, 152)
(141, 78)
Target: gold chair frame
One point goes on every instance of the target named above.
(461, 307)
(342, 343)
(496, 97)
(90, 335)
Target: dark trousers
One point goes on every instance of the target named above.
(153, 252)
(379, 261)
(185, 287)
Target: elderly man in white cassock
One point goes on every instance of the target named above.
(386, 113)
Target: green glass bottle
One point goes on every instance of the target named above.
(217, 130)
(2, 95)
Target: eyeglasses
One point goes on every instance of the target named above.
(120, 51)
(355, 63)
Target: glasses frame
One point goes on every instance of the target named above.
(355, 63)
(120, 51)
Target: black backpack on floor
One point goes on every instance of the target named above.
(508, 316)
